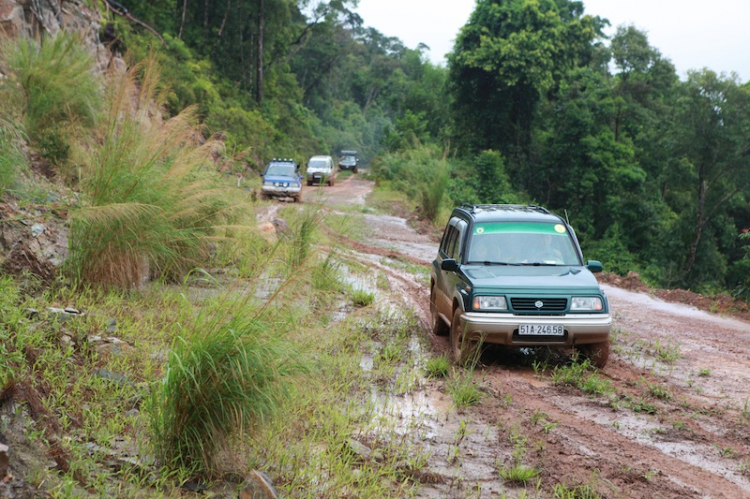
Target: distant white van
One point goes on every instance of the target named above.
(320, 169)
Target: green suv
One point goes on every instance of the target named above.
(514, 275)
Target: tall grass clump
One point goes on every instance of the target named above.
(56, 88)
(153, 198)
(304, 226)
(227, 373)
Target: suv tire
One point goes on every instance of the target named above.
(596, 353)
(439, 327)
(465, 352)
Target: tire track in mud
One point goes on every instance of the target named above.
(694, 444)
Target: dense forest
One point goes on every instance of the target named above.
(536, 105)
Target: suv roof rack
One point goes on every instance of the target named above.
(519, 207)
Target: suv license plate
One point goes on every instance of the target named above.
(541, 329)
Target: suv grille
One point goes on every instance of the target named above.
(549, 304)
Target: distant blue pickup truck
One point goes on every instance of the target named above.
(282, 179)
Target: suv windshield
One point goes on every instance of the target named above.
(281, 169)
(317, 164)
(519, 243)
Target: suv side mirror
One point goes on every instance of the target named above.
(449, 264)
(594, 266)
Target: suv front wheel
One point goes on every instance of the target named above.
(465, 351)
(596, 353)
(439, 327)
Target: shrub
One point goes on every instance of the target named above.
(153, 197)
(229, 371)
(57, 87)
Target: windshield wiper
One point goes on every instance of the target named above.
(538, 264)
(488, 263)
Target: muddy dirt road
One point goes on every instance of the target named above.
(668, 417)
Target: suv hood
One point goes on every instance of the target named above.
(562, 278)
(318, 169)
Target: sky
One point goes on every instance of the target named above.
(693, 34)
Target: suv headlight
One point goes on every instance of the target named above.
(586, 303)
(490, 303)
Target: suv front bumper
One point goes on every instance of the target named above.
(502, 329)
(291, 191)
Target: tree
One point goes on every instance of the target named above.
(506, 57)
(710, 133)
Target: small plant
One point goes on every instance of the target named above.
(585, 491)
(518, 474)
(744, 467)
(462, 389)
(580, 375)
(382, 281)
(390, 353)
(680, 426)
(727, 452)
(438, 367)
(548, 427)
(704, 372)
(745, 411)
(666, 353)
(540, 367)
(639, 405)
(362, 298)
(326, 275)
(658, 391)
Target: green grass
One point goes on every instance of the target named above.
(438, 367)
(362, 298)
(518, 474)
(583, 376)
(463, 390)
(658, 391)
(585, 491)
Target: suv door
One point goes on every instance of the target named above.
(451, 246)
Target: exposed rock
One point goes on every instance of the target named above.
(63, 315)
(118, 379)
(281, 226)
(359, 449)
(29, 245)
(111, 325)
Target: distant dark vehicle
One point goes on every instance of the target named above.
(349, 161)
(282, 179)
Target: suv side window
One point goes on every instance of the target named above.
(448, 240)
(453, 238)
(458, 249)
